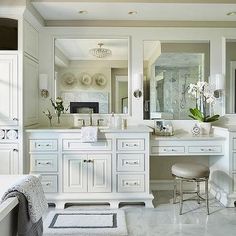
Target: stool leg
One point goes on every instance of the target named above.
(198, 192)
(181, 196)
(207, 196)
(175, 189)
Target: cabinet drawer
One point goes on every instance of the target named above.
(43, 162)
(204, 149)
(130, 144)
(76, 144)
(41, 145)
(130, 162)
(49, 183)
(234, 161)
(168, 149)
(130, 183)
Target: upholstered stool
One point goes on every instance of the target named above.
(190, 173)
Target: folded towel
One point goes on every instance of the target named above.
(32, 189)
(89, 134)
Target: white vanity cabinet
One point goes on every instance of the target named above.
(112, 170)
(9, 159)
(87, 173)
(9, 89)
(30, 74)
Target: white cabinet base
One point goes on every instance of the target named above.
(114, 200)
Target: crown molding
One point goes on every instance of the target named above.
(145, 1)
(129, 23)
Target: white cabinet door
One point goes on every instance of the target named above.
(30, 40)
(31, 91)
(75, 173)
(8, 90)
(99, 173)
(9, 163)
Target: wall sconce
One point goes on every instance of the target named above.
(43, 85)
(219, 84)
(138, 85)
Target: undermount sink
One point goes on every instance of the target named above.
(99, 127)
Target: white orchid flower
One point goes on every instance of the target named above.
(210, 100)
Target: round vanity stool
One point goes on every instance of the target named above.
(190, 173)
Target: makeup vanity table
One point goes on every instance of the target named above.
(185, 144)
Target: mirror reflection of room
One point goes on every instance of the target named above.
(91, 75)
(169, 69)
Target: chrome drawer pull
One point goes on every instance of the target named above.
(45, 163)
(131, 162)
(131, 184)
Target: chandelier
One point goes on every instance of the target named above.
(100, 52)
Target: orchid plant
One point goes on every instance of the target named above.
(204, 97)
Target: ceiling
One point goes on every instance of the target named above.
(78, 49)
(115, 10)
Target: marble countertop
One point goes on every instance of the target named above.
(231, 128)
(130, 129)
(187, 137)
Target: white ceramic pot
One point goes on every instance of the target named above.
(205, 128)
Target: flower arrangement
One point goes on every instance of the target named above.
(204, 98)
(59, 108)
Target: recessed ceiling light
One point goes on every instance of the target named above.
(132, 12)
(83, 12)
(232, 13)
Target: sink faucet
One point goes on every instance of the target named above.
(90, 117)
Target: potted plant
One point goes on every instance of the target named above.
(204, 98)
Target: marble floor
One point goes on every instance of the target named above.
(164, 219)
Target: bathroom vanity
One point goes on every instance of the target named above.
(113, 170)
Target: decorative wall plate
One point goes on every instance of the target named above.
(85, 79)
(2, 133)
(12, 134)
(100, 79)
(68, 80)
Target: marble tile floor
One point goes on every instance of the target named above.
(164, 219)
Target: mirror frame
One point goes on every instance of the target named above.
(129, 113)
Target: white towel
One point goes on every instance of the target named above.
(89, 134)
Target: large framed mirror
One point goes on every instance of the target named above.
(92, 74)
(169, 69)
(230, 76)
